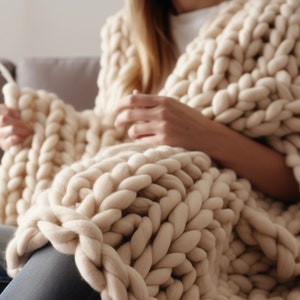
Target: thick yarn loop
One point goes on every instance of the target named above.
(163, 222)
(61, 137)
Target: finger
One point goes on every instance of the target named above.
(6, 111)
(8, 116)
(140, 130)
(135, 115)
(137, 101)
(3, 109)
(7, 120)
(7, 131)
(10, 141)
(152, 140)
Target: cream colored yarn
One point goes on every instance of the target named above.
(61, 137)
(163, 222)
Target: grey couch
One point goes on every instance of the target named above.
(73, 79)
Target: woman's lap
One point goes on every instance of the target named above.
(49, 275)
(6, 233)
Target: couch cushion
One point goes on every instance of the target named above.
(10, 66)
(73, 79)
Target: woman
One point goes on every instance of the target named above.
(226, 81)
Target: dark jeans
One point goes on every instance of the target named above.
(6, 232)
(4, 279)
(49, 275)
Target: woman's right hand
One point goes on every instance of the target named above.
(13, 130)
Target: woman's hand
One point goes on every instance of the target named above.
(13, 130)
(161, 120)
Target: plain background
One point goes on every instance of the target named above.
(53, 27)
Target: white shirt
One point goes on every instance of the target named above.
(186, 26)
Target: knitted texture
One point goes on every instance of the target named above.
(62, 136)
(163, 222)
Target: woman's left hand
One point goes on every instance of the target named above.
(161, 120)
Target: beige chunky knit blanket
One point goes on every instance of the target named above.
(163, 222)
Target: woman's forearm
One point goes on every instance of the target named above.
(264, 167)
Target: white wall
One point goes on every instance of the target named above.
(52, 27)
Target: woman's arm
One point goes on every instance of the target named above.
(264, 167)
(161, 120)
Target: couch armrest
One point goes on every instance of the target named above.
(11, 68)
(72, 79)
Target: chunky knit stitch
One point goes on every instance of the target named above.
(163, 222)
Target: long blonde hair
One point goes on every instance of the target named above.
(150, 25)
